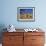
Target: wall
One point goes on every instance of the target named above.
(9, 13)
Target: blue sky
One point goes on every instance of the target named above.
(26, 11)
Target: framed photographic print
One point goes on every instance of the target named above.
(26, 14)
